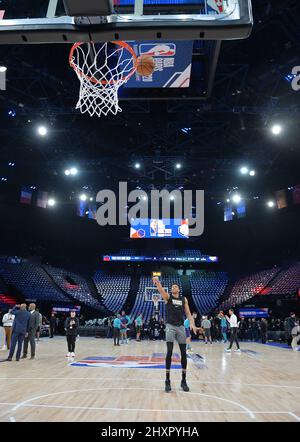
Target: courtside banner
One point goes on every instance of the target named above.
(254, 312)
(173, 62)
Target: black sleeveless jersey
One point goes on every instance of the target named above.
(175, 310)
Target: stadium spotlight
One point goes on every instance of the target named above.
(270, 204)
(91, 199)
(236, 198)
(144, 198)
(3, 68)
(51, 202)
(178, 166)
(137, 165)
(276, 129)
(172, 197)
(227, 200)
(252, 173)
(83, 197)
(244, 170)
(67, 172)
(73, 171)
(42, 130)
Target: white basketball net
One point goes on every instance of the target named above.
(101, 71)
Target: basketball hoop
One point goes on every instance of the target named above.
(101, 72)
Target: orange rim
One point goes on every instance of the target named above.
(94, 80)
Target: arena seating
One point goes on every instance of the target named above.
(127, 252)
(206, 289)
(79, 291)
(7, 302)
(146, 307)
(192, 253)
(31, 281)
(288, 281)
(249, 286)
(114, 290)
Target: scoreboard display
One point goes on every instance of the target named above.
(159, 228)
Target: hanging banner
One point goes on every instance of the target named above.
(281, 200)
(296, 194)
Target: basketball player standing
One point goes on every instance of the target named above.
(176, 306)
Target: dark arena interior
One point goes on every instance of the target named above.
(204, 302)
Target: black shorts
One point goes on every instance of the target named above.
(138, 328)
(207, 332)
(38, 329)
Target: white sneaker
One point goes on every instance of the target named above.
(238, 350)
(4, 347)
(72, 355)
(68, 355)
(228, 350)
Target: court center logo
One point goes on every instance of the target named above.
(187, 209)
(155, 361)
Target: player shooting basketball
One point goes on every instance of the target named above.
(176, 306)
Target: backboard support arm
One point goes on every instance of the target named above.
(235, 24)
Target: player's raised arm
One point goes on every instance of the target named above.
(189, 316)
(160, 288)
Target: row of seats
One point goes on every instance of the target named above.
(206, 289)
(288, 281)
(79, 291)
(127, 252)
(250, 286)
(114, 290)
(32, 281)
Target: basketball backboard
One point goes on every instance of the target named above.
(152, 294)
(30, 21)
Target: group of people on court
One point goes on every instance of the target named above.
(21, 327)
(179, 324)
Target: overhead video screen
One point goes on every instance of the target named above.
(159, 228)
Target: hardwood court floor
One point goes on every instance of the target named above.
(260, 384)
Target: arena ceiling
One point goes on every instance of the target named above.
(211, 137)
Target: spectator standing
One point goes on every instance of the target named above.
(7, 321)
(206, 325)
(161, 329)
(138, 326)
(117, 327)
(233, 323)
(109, 326)
(263, 330)
(223, 326)
(19, 331)
(296, 337)
(243, 328)
(40, 325)
(34, 323)
(52, 325)
(152, 325)
(124, 325)
(71, 327)
(290, 323)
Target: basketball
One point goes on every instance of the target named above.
(145, 65)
